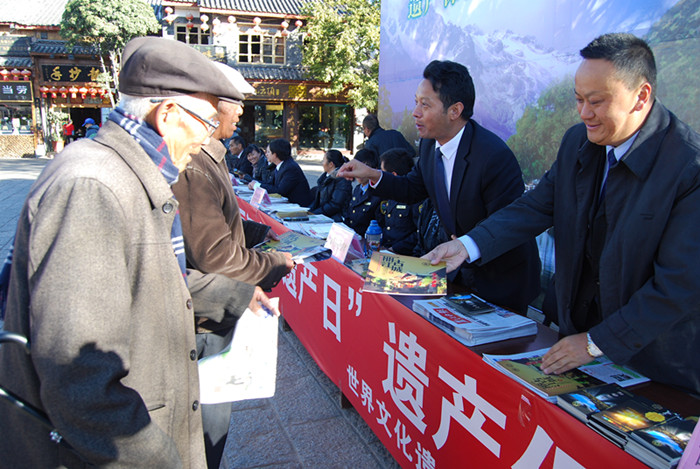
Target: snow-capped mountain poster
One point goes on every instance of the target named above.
(522, 56)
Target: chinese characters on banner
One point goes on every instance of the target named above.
(432, 402)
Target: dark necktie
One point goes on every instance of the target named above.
(442, 202)
(612, 162)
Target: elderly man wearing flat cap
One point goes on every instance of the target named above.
(98, 280)
(217, 240)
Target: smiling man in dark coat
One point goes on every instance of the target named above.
(624, 197)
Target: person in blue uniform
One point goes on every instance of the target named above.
(363, 205)
(397, 219)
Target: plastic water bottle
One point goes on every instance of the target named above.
(373, 237)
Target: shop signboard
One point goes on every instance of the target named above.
(16, 92)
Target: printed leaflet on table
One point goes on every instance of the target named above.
(469, 304)
(475, 329)
(525, 368)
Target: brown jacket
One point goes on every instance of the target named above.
(217, 240)
(97, 290)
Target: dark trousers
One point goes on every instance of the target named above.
(215, 417)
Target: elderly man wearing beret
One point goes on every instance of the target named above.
(98, 280)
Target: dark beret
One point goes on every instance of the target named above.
(153, 66)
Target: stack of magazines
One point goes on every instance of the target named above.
(525, 368)
(662, 444)
(474, 326)
(646, 430)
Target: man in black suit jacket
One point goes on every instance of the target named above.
(380, 140)
(477, 170)
(289, 179)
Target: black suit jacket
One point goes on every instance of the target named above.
(485, 178)
(382, 140)
(291, 182)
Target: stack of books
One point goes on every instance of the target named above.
(662, 445)
(525, 368)
(476, 322)
(646, 430)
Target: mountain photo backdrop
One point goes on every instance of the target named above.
(523, 56)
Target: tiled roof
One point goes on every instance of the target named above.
(49, 12)
(46, 46)
(8, 62)
(258, 72)
(291, 7)
(33, 12)
(17, 46)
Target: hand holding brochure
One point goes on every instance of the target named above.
(302, 248)
(395, 274)
(247, 368)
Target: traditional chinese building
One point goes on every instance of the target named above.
(263, 41)
(42, 78)
(17, 108)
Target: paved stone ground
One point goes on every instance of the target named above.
(302, 425)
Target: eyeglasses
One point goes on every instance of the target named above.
(210, 125)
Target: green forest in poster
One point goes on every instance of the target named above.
(676, 44)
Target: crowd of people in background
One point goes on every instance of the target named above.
(336, 197)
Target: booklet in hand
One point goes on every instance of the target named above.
(395, 274)
(302, 248)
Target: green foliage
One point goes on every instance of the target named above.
(540, 129)
(108, 24)
(342, 48)
(677, 50)
(56, 118)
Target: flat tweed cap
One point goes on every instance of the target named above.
(153, 66)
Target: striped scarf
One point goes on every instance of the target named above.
(155, 147)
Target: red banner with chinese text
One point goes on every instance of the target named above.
(432, 401)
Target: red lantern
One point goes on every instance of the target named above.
(53, 90)
(44, 89)
(15, 73)
(64, 91)
(189, 25)
(5, 74)
(93, 92)
(26, 74)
